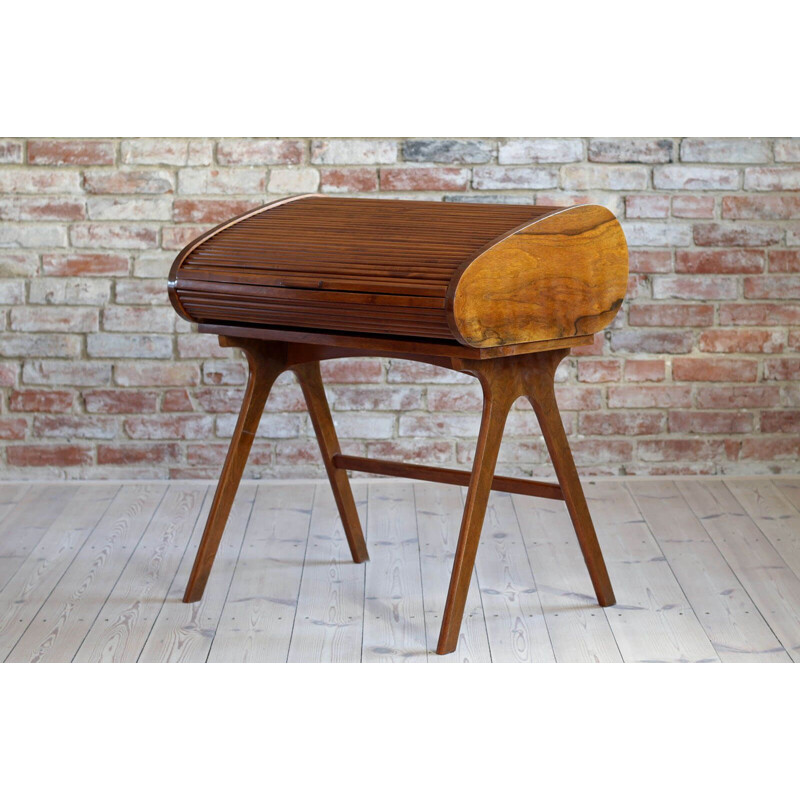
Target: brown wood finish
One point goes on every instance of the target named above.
(477, 274)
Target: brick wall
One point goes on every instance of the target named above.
(99, 377)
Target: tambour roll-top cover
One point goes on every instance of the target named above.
(480, 274)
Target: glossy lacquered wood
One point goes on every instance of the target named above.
(478, 274)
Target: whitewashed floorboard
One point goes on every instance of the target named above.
(724, 609)
(257, 619)
(394, 617)
(63, 621)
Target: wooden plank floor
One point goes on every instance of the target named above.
(704, 571)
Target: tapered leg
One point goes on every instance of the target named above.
(497, 399)
(538, 374)
(308, 375)
(267, 360)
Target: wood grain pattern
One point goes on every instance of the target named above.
(396, 267)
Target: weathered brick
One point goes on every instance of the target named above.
(696, 178)
(604, 177)
(286, 426)
(39, 181)
(648, 262)
(448, 151)
(645, 370)
(772, 179)
(230, 180)
(422, 179)
(172, 152)
(649, 396)
(725, 151)
(651, 341)
(293, 181)
(214, 454)
(153, 265)
(224, 373)
(688, 207)
(255, 152)
(455, 398)
(13, 428)
(741, 341)
(682, 449)
(602, 451)
(111, 236)
(62, 426)
(177, 400)
(49, 152)
(141, 292)
(741, 397)
(784, 260)
(49, 401)
(170, 426)
(780, 287)
(375, 398)
(782, 369)
(156, 374)
(771, 206)
(25, 236)
(671, 315)
(657, 234)
(117, 345)
(77, 264)
(10, 152)
(120, 401)
(152, 181)
(22, 208)
(353, 179)
(540, 151)
(176, 237)
(577, 398)
(58, 345)
(621, 423)
(780, 421)
(67, 319)
(209, 211)
(65, 373)
(353, 151)
(715, 234)
(18, 265)
(129, 208)
(8, 374)
(771, 448)
(731, 370)
(708, 287)
(719, 262)
(12, 292)
(70, 291)
(420, 450)
(710, 422)
(219, 400)
(45, 455)
(759, 314)
(644, 151)
(646, 206)
(787, 149)
(599, 371)
(138, 453)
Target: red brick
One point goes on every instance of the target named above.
(689, 207)
(13, 428)
(81, 152)
(719, 262)
(156, 374)
(778, 287)
(22, 209)
(784, 260)
(577, 398)
(772, 179)
(52, 401)
(169, 426)
(645, 370)
(761, 207)
(255, 152)
(649, 396)
(599, 371)
(8, 374)
(733, 370)
(78, 264)
(710, 422)
(651, 341)
(76, 426)
(455, 398)
(621, 423)
(650, 261)
(771, 448)
(119, 401)
(720, 340)
(210, 211)
(352, 370)
(794, 339)
(138, 453)
(177, 400)
(738, 396)
(49, 455)
(716, 234)
(677, 315)
(149, 181)
(375, 398)
(782, 369)
(646, 206)
(686, 449)
(683, 287)
(356, 179)
(424, 179)
(219, 400)
(780, 421)
(596, 348)
(759, 314)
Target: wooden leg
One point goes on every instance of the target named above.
(267, 360)
(308, 375)
(538, 371)
(500, 389)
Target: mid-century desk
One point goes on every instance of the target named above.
(500, 292)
